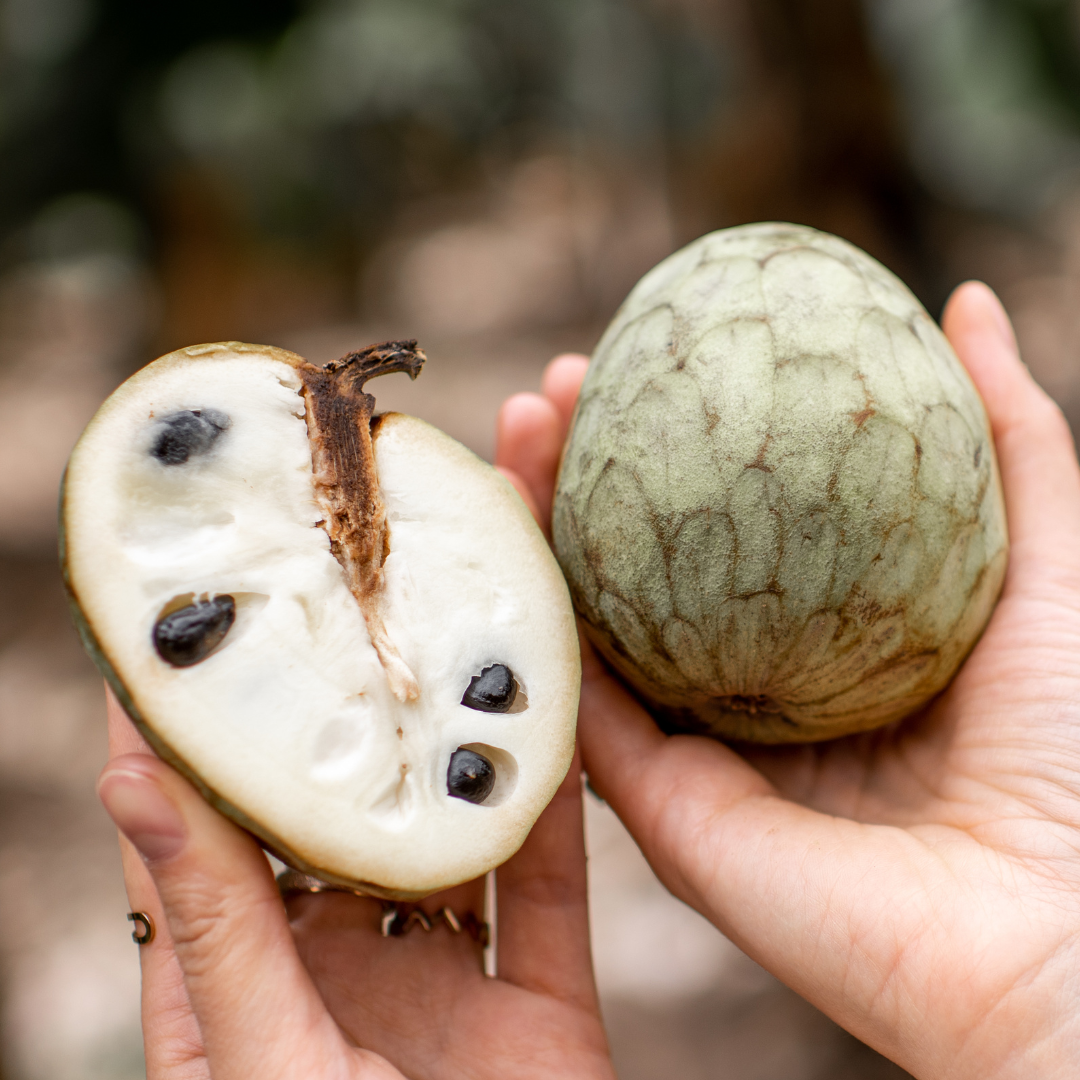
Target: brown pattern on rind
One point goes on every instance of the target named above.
(855, 622)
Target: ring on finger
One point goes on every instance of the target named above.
(143, 931)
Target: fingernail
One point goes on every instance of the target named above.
(142, 813)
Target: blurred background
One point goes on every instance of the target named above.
(490, 176)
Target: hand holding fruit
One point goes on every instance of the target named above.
(235, 986)
(917, 883)
(371, 722)
(781, 518)
(302, 607)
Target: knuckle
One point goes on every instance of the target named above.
(1039, 420)
(209, 920)
(1051, 416)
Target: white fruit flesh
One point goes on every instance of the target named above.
(291, 722)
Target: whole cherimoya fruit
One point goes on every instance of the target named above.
(779, 509)
(346, 629)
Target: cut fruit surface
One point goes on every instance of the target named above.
(384, 692)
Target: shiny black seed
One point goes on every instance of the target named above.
(187, 434)
(493, 690)
(192, 633)
(470, 776)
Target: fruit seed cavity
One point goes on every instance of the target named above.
(470, 776)
(493, 690)
(188, 434)
(190, 634)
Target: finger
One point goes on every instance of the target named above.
(562, 383)
(651, 781)
(1035, 448)
(124, 736)
(808, 896)
(668, 791)
(254, 1003)
(171, 1040)
(529, 437)
(543, 904)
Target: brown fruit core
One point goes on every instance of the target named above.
(339, 416)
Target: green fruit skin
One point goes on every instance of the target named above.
(779, 509)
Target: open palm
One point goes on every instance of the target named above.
(920, 884)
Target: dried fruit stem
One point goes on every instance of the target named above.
(347, 485)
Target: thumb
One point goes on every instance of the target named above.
(1035, 448)
(257, 1009)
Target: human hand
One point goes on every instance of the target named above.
(235, 986)
(919, 883)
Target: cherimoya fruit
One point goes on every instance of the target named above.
(779, 509)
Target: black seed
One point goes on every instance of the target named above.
(470, 776)
(493, 690)
(191, 634)
(187, 434)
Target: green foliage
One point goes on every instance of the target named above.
(989, 91)
(1053, 29)
(324, 117)
(74, 74)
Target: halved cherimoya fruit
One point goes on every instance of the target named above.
(346, 630)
